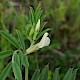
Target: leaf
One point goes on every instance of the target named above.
(68, 74)
(21, 40)
(17, 59)
(38, 8)
(31, 14)
(38, 15)
(5, 54)
(10, 38)
(74, 74)
(36, 75)
(44, 73)
(28, 28)
(56, 74)
(21, 58)
(5, 72)
(42, 26)
(25, 61)
(17, 71)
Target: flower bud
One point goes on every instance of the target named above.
(31, 32)
(37, 25)
(36, 30)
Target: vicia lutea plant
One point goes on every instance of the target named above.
(33, 31)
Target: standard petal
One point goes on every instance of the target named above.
(47, 41)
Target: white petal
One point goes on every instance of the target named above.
(47, 41)
(44, 42)
(41, 45)
(44, 37)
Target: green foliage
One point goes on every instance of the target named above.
(68, 75)
(11, 39)
(21, 40)
(63, 17)
(17, 71)
(74, 74)
(5, 54)
(36, 75)
(25, 62)
(27, 24)
(43, 75)
(5, 72)
(56, 75)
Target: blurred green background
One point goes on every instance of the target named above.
(62, 16)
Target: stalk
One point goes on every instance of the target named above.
(26, 74)
(26, 69)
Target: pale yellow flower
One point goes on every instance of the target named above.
(45, 41)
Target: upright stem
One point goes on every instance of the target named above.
(26, 69)
(26, 73)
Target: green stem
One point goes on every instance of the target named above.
(26, 74)
(32, 43)
(26, 69)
